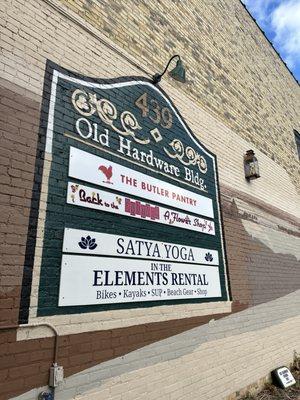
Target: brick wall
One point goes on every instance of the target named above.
(19, 128)
(226, 109)
(232, 70)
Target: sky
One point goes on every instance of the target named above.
(280, 20)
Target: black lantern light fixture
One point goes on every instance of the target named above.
(251, 165)
(177, 73)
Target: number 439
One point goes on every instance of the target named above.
(153, 110)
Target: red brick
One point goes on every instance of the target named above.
(23, 371)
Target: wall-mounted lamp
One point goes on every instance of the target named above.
(251, 165)
(177, 73)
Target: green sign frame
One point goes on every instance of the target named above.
(136, 110)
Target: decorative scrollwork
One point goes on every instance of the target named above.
(203, 164)
(83, 103)
(87, 104)
(193, 158)
(177, 147)
(130, 125)
(107, 111)
(129, 122)
(190, 153)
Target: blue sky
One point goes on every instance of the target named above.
(280, 20)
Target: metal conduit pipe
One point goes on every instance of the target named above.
(36, 325)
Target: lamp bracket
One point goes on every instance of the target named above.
(157, 77)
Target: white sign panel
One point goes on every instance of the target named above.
(285, 377)
(85, 196)
(98, 243)
(87, 280)
(90, 168)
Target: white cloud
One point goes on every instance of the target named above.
(282, 19)
(260, 10)
(285, 22)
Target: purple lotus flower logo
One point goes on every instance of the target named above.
(209, 257)
(87, 243)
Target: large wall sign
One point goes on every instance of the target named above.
(133, 215)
